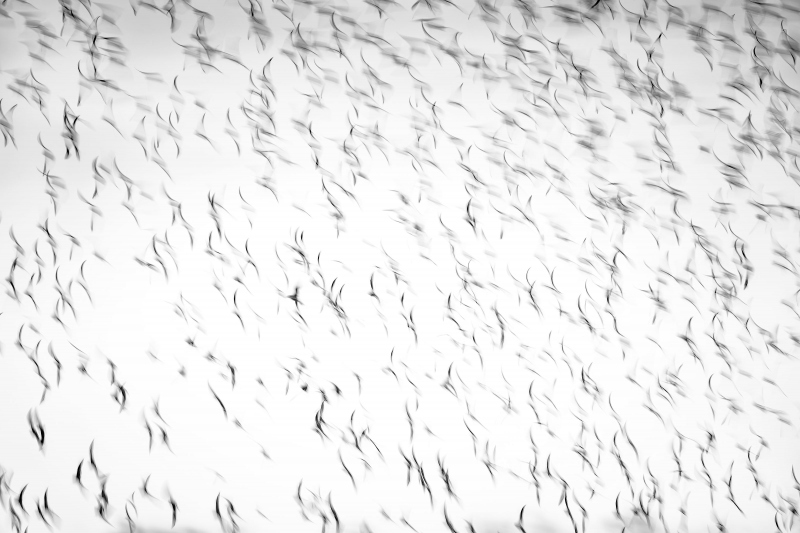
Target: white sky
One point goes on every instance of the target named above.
(403, 191)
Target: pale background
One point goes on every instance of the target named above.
(140, 318)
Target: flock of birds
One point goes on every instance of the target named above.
(377, 266)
